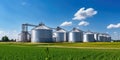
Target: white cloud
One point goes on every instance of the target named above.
(10, 34)
(82, 14)
(66, 23)
(111, 26)
(1, 32)
(83, 23)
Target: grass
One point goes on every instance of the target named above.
(92, 44)
(30, 51)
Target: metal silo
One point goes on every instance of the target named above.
(96, 36)
(42, 33)
(24, 37)
(101, 37)
(75, 35)
(105, 37)
(54, 37)
(88, 37)
(60, 35)
(108, 38)
(67, 36)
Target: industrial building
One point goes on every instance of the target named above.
(43, 33)
(24, 37)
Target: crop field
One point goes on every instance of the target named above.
(60, 51)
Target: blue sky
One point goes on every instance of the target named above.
(54, 12)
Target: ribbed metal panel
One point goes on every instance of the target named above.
(42, 34)
(75, 35)
(108, 38)
(104, 38)
(96, 36)
(67, 36)
(88, 37)
(54, 37)
(100, 38)
(60, 35)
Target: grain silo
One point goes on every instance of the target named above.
(75, 35)
(108, 38)
(54, 37)
(104, 37)
(101, 37)
(24, 37)
(67, 36)
(42, 33)
(96, 36)
(60, 35)
(88, 37)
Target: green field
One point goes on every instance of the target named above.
(60, 51)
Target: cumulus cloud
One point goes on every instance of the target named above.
(111, 26)
(66, 23)
(82, 14)
(10, 34)
(83, 23)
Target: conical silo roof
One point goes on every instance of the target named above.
(42, 26)
(58, 29)
(89, 32)
(75, 30)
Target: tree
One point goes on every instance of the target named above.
(5, 38)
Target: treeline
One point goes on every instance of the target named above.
(116, 40)
(6, 39)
